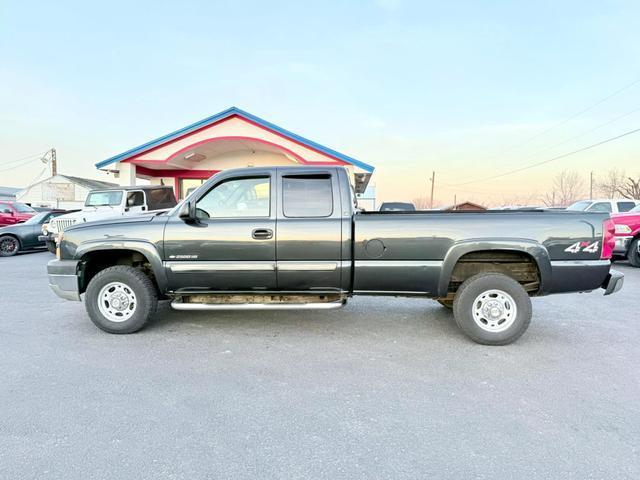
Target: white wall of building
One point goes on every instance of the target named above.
(55, 192)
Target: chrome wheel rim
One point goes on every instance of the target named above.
(494, 311)
(117, 302)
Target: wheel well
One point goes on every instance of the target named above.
(96, 261)
(518, 265)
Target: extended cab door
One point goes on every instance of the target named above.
(232, 244)
(309, 230)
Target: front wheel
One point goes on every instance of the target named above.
(51, 246)
(492, 309)
(634, 255)
(9, 246)
(121, 299)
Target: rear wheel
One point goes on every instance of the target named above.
(9, 246)
(492, 309)
(634, 255)
(121, 299)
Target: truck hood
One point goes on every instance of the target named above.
(144, 218)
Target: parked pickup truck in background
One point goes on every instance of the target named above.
(111, 203)
(627, 233)
(290, 237)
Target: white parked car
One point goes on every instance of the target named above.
(613, 206)
(111, 203)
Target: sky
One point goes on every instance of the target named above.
(467, 89)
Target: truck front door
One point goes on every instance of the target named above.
(232, 245)
(309, 226)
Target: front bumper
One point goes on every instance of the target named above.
(622, 245)
(63, 279)
(613, 283)
(51, 237)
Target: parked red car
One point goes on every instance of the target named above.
(628, 236)
(14, 212)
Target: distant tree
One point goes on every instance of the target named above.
(610, 185)
(567, 188)
(630, 188)
(421, 203)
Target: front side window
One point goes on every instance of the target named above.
(600, 207)
(307, 196)
(625, 206)
(103, 199)
(22, 208)
(579, 206)
(135, 199)
(238, 197)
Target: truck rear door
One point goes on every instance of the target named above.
(309, 230)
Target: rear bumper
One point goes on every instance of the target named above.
(613, 283)
(63, 279)
(622, 245)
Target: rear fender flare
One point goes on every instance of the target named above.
(534, 249)
(144, 248)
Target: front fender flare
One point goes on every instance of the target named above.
(143, 247)
(536, 250)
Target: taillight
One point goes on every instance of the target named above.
(608, 239)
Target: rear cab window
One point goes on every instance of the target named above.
(307, 196)
(625, 206)
(160, 199)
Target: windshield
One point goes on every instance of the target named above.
(37, 219)
(635, 209)
(101, 199)
(579, 206)
(22, 208)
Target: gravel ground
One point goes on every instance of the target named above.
(384, 388)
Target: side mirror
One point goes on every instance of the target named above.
(186, 212)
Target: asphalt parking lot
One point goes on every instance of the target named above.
(385, 388)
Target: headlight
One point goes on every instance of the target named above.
(44, 228)
(623, 229)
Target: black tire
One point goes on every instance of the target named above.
(51, 246)
(464, 305)
(446, 304)
(146, 299)
(9, 246)
(634, 256)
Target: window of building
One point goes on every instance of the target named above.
(307, 196)
(239, 197)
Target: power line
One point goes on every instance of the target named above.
(39, 155)
(566, 120)
(549, 160)
(21, 164)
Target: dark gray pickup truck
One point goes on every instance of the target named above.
(291, 238)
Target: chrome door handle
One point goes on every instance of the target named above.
(262, 234)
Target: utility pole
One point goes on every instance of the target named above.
(591, 186)
(433, 182)
(455, 201)
(54, 163)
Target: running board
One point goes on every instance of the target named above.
(257, 306)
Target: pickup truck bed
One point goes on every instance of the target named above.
(289, 237)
